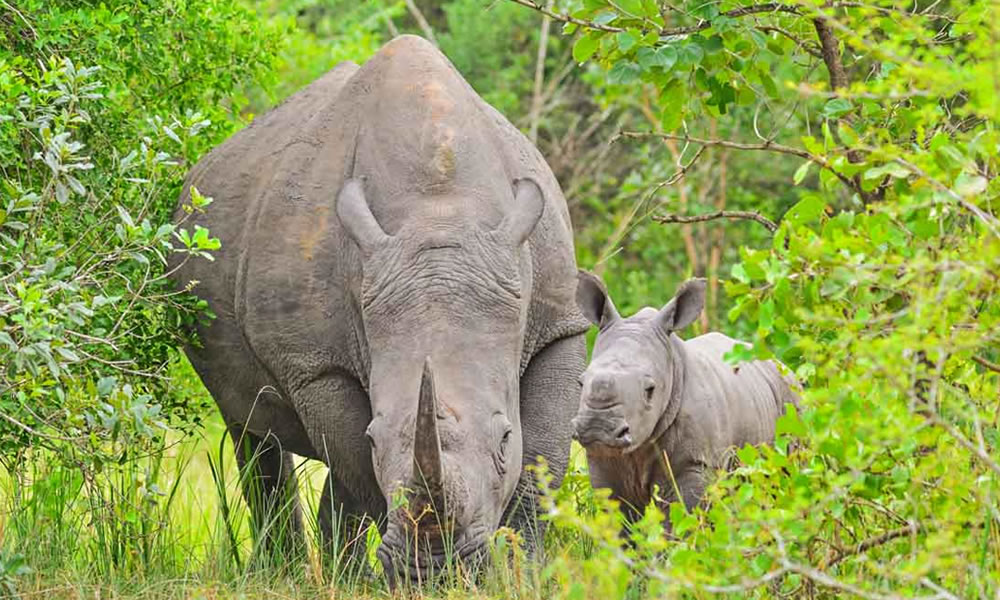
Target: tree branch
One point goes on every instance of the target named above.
(808, 47)
(992, 366)
(830, 49)
(536, 98)
(872, 542)
(418, 16)
(768, 146)
(720, 214)
(769, 7)
(566, 18)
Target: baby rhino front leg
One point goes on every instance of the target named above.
(688, 481)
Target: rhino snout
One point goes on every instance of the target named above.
(596, 429)
(405, 558)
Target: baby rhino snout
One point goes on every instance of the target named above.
(601, 418)
(594, 429)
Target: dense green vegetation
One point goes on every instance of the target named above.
(843, 156)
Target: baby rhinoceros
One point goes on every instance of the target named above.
(652, 404)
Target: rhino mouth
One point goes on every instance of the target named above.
(401, 563)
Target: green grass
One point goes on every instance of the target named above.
(174, 525)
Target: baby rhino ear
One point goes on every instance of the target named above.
(593, 299)
(684, 307)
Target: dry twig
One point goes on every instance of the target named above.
(720, 214)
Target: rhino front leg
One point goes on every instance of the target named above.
(549, 395)
(343, 520)
(270, 490)
(338, 412)
(691, 484)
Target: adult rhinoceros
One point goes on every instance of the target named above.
(395, 297)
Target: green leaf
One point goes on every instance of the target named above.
(806, 210)
(691, 54)
(790, 423)
(626, 40)
(632, 8)
(68, 353)
(801, 172)
(624, 72)
(768, 83)
(8, 341)
(198, 200)
(747, 454)
(970, 185)
(605, 17)
(585, 46)
(765, 317)
(663, 57)
(837, 107)
(893, 169)
(713, 44)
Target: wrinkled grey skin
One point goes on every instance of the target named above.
(391, 245)
(649, 397)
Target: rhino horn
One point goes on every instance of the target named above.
(428, 478)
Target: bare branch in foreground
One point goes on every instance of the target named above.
(721, 214)
(872, 542)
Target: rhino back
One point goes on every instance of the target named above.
(726, 406)
(236, 173)
(410, 124)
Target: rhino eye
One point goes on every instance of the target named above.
(649, 389)
(500, 459)
(504, 442)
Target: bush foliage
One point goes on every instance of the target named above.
(878, 288)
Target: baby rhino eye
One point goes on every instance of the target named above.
(648, 387)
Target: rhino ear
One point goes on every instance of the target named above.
(357, 217)
(529, 203)
(684, 307)
(593, 299)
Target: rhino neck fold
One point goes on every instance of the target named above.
(677, 358)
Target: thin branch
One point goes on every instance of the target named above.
(36, 432)
(872, 542)
(959, 437)
(418, 16)
(393, 32)
(566, 18)
(992, 366)
(720, 214)
(987, 219)
(769, 7)
(821, 578)
(536, 98)
(768, 146)
(807, 46)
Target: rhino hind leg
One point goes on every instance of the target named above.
(548, 402)
(270, 489)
